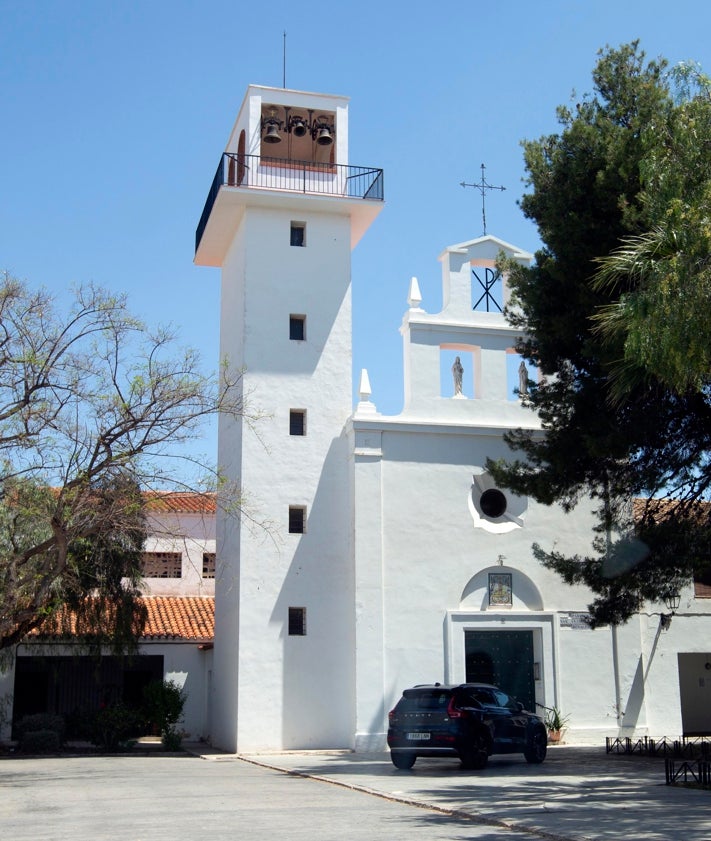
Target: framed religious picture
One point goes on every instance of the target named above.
(500, 589)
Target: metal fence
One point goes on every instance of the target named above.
(684, 747)
(695, 773)
(687, 760)
(260, 172)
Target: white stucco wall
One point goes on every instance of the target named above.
(426, 562)
(191, 535)
(306, 679)
(262, 569)
(188, 665)
(421, 572)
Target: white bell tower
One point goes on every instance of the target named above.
(284, 211)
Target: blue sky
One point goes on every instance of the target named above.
(115, 115)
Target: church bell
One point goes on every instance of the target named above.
(323, 136)
(272, 134)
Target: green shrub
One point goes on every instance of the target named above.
(80, 725)
(5, 706)
(40, 741)
(115, 726)
(163, 702)
(41, 722)
(172, 739)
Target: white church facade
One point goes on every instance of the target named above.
(393, 559)
(389, 557)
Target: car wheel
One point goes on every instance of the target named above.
(403, 761)
(476, 754)
(536, 749)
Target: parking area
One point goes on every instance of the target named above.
(577, 793)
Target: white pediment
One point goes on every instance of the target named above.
(487, 248)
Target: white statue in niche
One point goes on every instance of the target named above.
(457, 374)
(522, 379)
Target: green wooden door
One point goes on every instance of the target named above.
(504, 658)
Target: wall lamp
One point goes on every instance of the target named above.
(671, 601)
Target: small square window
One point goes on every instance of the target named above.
(208, 564)
(297, 519)
(297, 621)
(297, 422)
(298, 233)
(162, 564)
(297, 328)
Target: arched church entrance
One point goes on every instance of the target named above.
(504, 658)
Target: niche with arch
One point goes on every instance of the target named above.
(525, 593)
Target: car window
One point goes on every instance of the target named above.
(504, 700)
(495, 698)
(485, 696)
(431, 700)
(468, 699)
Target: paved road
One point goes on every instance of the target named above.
(154, 798)
(576, 794)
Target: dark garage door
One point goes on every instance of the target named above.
(77, 686)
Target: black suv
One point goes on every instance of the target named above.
(471, 721)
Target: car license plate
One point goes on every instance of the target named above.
(421, 737)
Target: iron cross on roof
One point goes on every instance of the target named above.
(482, 186)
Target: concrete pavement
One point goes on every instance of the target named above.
(578, 793)
(164, 798)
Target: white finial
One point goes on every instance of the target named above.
(415, 297)
(365, 407)
(364, 390)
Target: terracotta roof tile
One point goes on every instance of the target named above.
(180, 617)
(177, 618)
(183, 502)
(661, 509)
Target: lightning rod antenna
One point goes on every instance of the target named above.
(284, 62)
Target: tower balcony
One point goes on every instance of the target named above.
(257, 180)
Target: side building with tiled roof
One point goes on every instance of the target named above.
(52, 672)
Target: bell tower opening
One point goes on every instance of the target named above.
(297, 134)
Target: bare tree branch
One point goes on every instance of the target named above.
(87, 398)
